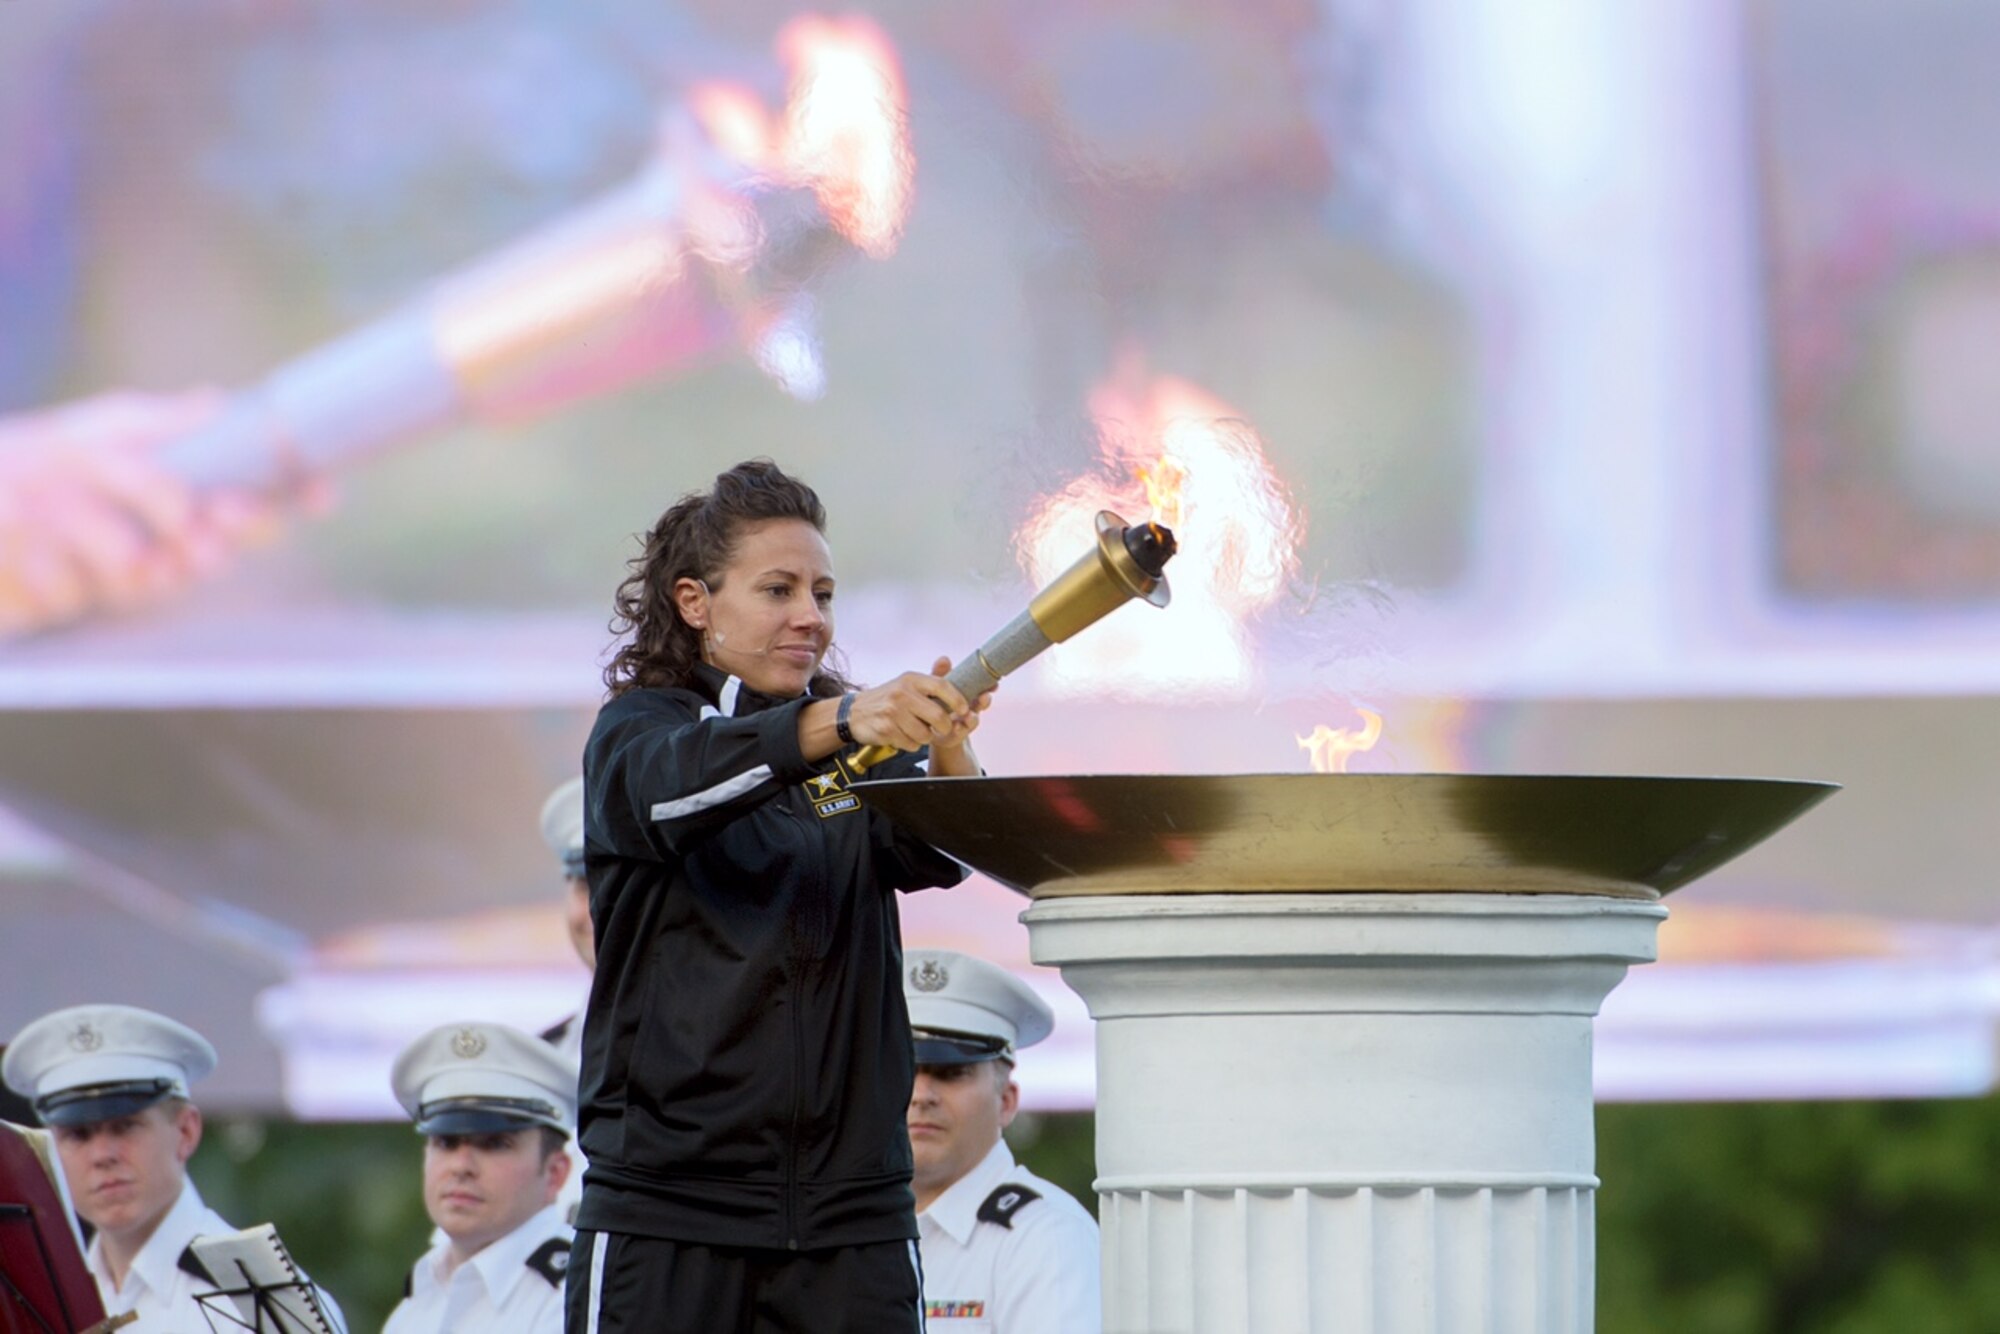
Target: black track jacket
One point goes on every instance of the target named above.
(746, 1052)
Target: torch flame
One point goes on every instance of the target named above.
(1175, 448)
(1165, 480)
(847, 135)
(1332, 747)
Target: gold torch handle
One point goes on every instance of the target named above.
(1126, 562)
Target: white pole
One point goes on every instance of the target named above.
(1363, 1113)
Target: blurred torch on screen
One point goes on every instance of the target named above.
(710, 249)
(1332, 747)
(1172, 448)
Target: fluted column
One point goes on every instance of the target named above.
(1364, 1113)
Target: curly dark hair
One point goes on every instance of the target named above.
(696, 539)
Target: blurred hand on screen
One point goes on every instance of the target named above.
(89, 522)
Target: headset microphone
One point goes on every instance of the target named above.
(714, 633)
(717, 639)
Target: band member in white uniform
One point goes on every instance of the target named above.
(562, 830)
(1003, 1250)
(496, 1108)
(111, 1083)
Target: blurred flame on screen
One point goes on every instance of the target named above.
(738, 123)
(1170, 447)
(606, 296)
(847, 130)
(844, 133)
(1332, 747)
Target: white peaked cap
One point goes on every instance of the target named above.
(468, 1078)
(99, 1062)
(953, 995)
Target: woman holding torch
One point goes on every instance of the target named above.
(746, 1051)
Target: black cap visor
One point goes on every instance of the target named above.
(485, 1116)
(101, 1102)
(940, 1048)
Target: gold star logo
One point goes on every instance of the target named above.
(825, 785)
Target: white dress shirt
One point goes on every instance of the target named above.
(1035, 1274)
(514, 1286)
(157, 1289)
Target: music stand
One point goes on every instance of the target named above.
(258, 1288)
(260, 1311)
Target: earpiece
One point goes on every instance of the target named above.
(713, 637)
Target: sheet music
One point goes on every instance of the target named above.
(255, 1272)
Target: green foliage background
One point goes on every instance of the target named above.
(1742, 1218)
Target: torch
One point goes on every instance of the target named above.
(713, 246)
(1126, 562)
(625, 286)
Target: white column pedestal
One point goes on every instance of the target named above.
(1352, 1113)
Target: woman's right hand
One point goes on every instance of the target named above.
(913, 710)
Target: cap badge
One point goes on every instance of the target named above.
(467, 1043)
(86, 1036)
(929, 976)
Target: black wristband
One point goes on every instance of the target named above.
(840, 728)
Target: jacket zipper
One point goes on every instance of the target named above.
(792, 1137)
(816, 917)
(791, 1209)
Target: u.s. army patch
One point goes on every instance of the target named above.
(829, 794)
(839, 805)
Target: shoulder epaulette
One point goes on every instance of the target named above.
(1006, 1200)
(191, 1264)
(551, 1260)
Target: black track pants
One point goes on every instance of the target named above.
(621, 1284)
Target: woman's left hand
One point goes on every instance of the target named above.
(951, 750)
